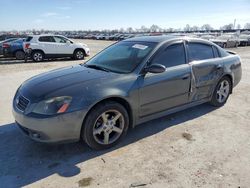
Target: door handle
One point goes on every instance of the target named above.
(186, 76)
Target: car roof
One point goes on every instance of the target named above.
(167, 38)
(44, 35)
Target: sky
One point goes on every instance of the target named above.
(116, 14)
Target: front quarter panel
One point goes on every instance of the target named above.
(87, 95)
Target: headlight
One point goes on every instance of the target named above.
(53, 106)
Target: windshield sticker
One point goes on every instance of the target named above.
(140, 46)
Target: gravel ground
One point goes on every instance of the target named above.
(199, 147)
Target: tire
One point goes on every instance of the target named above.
(221, 92)
(20, 55)
(79, 54)
(100, 135)
(37, 56)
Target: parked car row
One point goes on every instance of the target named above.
(115, 37)
(223, 40)
(228, 40)
(40, 47)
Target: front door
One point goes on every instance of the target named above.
(63, 47)
(159, 92)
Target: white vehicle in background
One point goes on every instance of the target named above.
(226, 41)
(40, 47)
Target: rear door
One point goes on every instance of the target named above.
(207, 68)
(47, 44)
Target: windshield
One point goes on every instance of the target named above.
(122, 57)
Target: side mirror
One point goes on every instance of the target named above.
(68, 42)
(155, 68)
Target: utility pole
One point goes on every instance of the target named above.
(234, 23)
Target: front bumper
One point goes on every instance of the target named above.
(87, 51)
(62, 128)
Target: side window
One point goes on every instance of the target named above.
(59, 39)
(198, 51)
(28, 39)
(216, 52)
(46, 39)
(171, 56)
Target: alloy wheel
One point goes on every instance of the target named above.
(223, 91)
(79, 54)
(108, 127)
(37, 56)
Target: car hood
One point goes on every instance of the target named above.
(82, 44)
(46, 83)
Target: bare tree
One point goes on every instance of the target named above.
(130, 30)
(121, 30)
(154, 28)
(227, 27)
(247, 26)
(194, 28)
(144, 29)
(187, 28)
(206, 27)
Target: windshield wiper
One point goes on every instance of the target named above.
(97, 67)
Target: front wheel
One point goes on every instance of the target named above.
(105, 125)
(221, 92)
(79, 54)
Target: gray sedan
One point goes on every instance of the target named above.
(130, 82)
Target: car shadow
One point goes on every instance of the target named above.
(23, 161)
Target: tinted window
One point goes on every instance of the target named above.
(216, 52)
(46, 39)
(171, 56)
(60, 39)
(28, 39)
(198, 51)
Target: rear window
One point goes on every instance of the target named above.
(28, 39)
(216, 52)
(46, 39)
(199, 51)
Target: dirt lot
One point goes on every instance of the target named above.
(199, 147)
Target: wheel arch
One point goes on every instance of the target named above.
(37, 50)
(81, 50)
(117, 99)
(15, 51)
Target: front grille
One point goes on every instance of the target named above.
(22, 103)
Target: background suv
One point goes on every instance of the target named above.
(54, 46)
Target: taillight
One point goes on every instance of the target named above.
(5, 45)
(27, 45)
